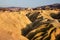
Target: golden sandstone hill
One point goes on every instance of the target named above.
(41, 23)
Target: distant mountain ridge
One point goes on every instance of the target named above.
(52, 6)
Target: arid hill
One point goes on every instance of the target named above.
(41, 23)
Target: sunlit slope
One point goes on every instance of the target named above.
(11, 24)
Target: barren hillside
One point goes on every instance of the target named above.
(11, 24)
(41, 23)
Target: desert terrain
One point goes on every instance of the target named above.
(40, 23)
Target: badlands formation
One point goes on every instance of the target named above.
(41, 23)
